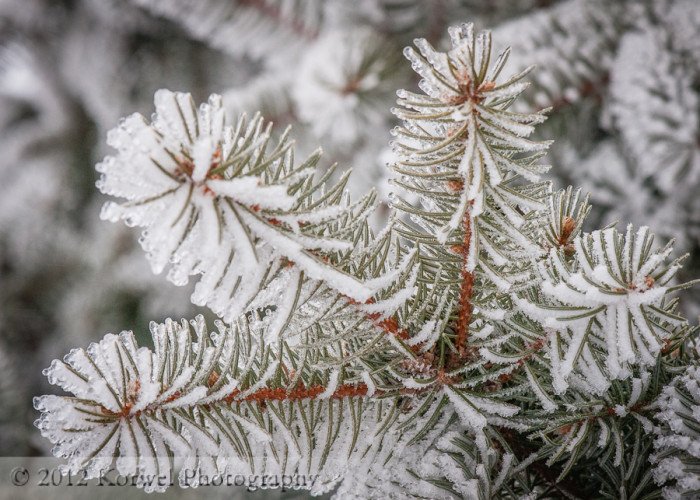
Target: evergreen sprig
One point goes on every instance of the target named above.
(482, 345)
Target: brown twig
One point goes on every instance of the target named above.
(466, 290)
(464, 314)
(299, 392)
(389, 325)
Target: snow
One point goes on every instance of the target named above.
(426, 332)
(249, 191)
(262, 381)
(229, 226)
(545, 400)
(387, 307)
(371, 386)
(312, 266)
(331, 386)
(604, 436)
(219, 394)
(516, 123)
(616, 293)
(469, 415)
(190, 398)
(621, 410)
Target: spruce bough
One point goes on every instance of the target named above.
(480, 346)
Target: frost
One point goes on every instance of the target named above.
(249, 191)
(610, 297)
(178, 379)
(677, 445)
(467, 411)
(424, 334)
(412, 383)
(331, 386)
(371, 387)
(320, 306)
(264, 378)
(213, 202)
(547, 403)
(285, 307)
(621, 410)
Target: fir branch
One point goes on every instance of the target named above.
(165, 393)
(482, 345)
(131, 400)
(215, 202)
(676, 444)
(460, 148)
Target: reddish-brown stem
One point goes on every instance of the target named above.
(299, 392)
(389, 325)
(467, 290)
(464, 313)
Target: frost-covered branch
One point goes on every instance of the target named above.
(481, 345)
(215, 202)
(461, 152)
(196, 406)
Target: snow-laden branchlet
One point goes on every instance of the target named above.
(609, 288)
(462, 156)
(202, 405)
(220, 202)
(677, 446)
(190, 409)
